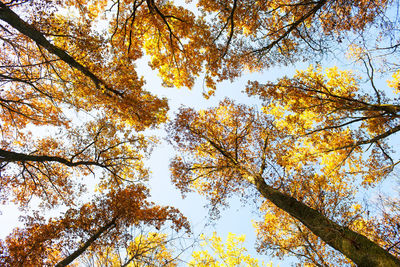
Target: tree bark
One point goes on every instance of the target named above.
(85, 245)
(356, 247)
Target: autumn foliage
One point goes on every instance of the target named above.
(54, 66)
(217, 253)
(74, 113)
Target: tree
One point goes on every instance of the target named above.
(328, 112)
(145, 250)
(51, 66)
(107, 217)
(328, 116)
(100, 224)
(283, 32)
(41, 80)
(231, 149)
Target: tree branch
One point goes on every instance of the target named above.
(9, 156)
(7, 15)
(85, 245)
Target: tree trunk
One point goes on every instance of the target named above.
(356, 247)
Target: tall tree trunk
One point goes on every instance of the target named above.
(356, 247)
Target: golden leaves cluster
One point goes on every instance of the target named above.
(331, 119)
(217, 253)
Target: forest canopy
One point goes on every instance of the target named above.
(77, 117)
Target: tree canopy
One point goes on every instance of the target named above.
(73, 107)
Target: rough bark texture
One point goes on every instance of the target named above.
(356, 247)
